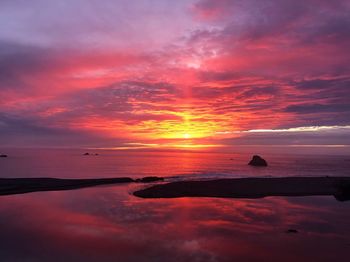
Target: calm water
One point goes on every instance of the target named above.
(109, 224)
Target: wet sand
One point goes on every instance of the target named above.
(252, 188)
(10, 186)
(339, 187)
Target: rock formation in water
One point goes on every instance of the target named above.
(88, 154)
(343, 193)
(149, 179)
(257, 161)
(3, 155)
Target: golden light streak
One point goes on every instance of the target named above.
(293, 129)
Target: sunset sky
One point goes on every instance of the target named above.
(174, 74)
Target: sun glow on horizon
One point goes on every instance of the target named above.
(187, 136)
(185, 145)
(184, 124)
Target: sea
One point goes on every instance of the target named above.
(108, 223)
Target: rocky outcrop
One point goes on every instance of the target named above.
(257, 161)
(3, 155)
(343, 193)
(149, 179)
(88, 154)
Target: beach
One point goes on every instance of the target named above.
(61, 205)
(252, 188)
(339, 187)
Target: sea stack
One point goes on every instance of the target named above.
(257, 161)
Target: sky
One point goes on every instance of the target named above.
(174, 74)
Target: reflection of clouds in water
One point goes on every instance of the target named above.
(106, 223)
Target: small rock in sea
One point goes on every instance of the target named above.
(257, 161)
(3, 155)
(86, 154)
(292, 231)
(149, 179)
(343, 193)
(96, 154)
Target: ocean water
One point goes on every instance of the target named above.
(107, 223)
(173, 165)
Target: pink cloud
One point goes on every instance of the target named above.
(242, 65)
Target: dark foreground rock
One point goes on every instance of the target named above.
(257, 161)
(149, 179)
(3, 155)
(343, 192)
(251, 188)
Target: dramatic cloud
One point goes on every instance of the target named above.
(173, 73)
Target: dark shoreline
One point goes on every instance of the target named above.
(11, 186)
(338, 187)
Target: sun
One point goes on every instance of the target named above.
(187, 136)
